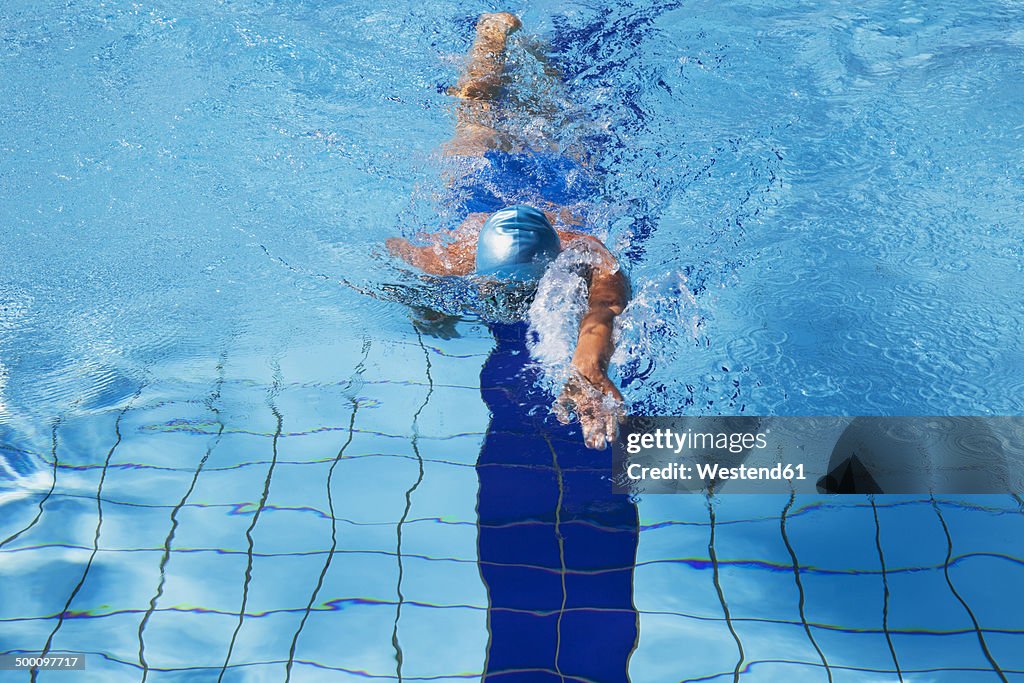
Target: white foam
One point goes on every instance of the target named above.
(555, 313)
(660, 310)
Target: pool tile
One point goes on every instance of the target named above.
(439, 540)
(373, 489)
(356, 638)
(462, 650)
(855, 650)
(911, 535)
(36, 583)
(996, 601)
(66, 520)
(676, 588)
(847, 600)
(445, 490)
(433, 581)
(162, 488)
(184, 640)
(922, 600)
(669, 540)
(765, 641)
(940, 652)
(825, 538)
(1005, 648)
(760, 539)
(754, 592)
(120, 641)
(463, 449)
(660, 657)
(207, 580)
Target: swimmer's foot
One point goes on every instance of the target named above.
(505, 22)
(482, 79)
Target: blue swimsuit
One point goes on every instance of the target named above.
(524, 179)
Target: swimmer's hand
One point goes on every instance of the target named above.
(596, 402)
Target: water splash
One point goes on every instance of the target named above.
(662, 313)
(555, 313)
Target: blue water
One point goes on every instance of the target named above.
(226, 454)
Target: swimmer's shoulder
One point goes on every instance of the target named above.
(605, 263)
(578, 239)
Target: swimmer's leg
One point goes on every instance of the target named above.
(479, 86)
(479, 121)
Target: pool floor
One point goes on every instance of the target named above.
(251, 520)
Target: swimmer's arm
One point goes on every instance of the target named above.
(607, 298)
(587, 393)
(457, 256)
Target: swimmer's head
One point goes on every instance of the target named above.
(516, 243)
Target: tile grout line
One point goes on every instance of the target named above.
(272, 395)
(211, 403)
(561, 554)
(952, 588)
(34, 674)
(46, 496)
(799, 583)
(721, 594)
(334, 522)
(885, 590)
(399, 655)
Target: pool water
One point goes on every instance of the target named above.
(227, 454)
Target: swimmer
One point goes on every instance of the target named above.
(513, 244)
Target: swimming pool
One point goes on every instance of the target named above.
(227, 455)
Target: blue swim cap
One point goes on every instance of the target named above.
(516, 243)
